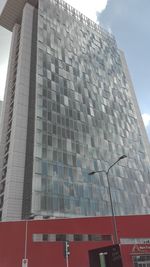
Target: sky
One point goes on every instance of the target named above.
(128, 21)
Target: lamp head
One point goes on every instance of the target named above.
(91, 173)
(123, 157)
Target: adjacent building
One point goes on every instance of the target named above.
(69, 108)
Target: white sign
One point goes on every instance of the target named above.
(24, 262)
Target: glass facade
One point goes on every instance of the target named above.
(84, 121)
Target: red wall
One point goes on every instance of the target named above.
(136, 226)
(51, 254)
(11, 244)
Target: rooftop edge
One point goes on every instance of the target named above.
(12, 12)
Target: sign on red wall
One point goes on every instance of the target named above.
(139, 249)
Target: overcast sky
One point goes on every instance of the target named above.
(129, 21)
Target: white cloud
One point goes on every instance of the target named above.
(88, 8)
(2, 3)
(146, 119)
(3, 72)
(5, 38)
(108, 28)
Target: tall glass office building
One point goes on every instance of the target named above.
(69, 109)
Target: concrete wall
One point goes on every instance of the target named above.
(12, 208)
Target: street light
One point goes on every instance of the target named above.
(110, 196)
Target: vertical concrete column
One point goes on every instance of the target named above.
(8, 89)
(12, 208)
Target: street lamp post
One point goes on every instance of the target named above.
(110, 196)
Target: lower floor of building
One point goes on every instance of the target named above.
(67, 242)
